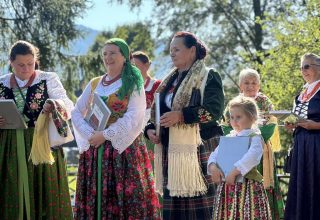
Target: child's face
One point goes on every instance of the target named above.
(239, 119)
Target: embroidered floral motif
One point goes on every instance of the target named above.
(2, 92)
(204, 115)
(37, 98)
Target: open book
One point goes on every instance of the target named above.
(99, 113)
(231, 149)
(13, 118)
(286, 116)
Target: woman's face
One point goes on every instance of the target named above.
(113, 59)
(182, 57)
(310, 71)
(250, 86)
(23, 66)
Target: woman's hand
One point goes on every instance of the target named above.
(97, 139)
(309, 124)
(231, 178)
(169, 119)
(2, 121)
(152, 136)
(290, 126)
(47, 108)
(216, 174)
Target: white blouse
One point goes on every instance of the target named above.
(121, 133)
(54, 87)
(250, 159)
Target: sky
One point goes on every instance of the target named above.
(107, 16)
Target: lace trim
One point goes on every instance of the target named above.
(119, 136)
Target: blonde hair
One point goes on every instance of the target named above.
(311, 56)
(248, 72)
(247, 104)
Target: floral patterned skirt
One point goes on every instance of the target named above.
(48, 184)
(127, 184)
(247, 200)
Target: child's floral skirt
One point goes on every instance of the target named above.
(247, 200)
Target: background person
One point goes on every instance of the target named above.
(303, 199)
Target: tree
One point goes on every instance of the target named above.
(48, 24)
(233, 29)
(294, 37)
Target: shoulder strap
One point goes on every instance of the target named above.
(94, 83)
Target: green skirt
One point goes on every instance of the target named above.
(43, 189)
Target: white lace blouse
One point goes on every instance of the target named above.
(121, 133)
(54, 87)
(251, 158)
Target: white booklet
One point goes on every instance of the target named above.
(99, 113)
(157, 112)
(13, 118)
(286, 116)
(231, 149)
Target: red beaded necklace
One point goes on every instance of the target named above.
(106, 82)
(306, 96)
(14, 83)
(147, 82)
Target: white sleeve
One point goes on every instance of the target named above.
(147, 117)
(57, 92)
(212, 158)
(252, 157)
(125, 130)
(82, 130)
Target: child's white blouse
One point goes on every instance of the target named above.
(251, 158)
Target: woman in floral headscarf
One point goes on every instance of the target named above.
(115, 174)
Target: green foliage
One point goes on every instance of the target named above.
(48, 24)
(296, 32)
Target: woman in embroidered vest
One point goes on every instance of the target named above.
(125, 189)
(249, 81)
(303, 199)
(181, 159)
(247, 199)
(28, 191)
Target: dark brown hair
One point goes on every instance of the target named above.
(142, 56)
(189, 40)
(23, 48)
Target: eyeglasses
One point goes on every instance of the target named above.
(307, 66)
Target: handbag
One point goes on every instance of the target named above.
(55, 139)
(195, 99)
(288, 160)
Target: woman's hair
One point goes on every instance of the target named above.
(142, 56)
(248, 105)
(189, 40)
(23, 48)
(248, 72)
(311, 56)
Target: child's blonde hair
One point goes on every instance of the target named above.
(247, 104)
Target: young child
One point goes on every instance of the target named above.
(247, 199)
